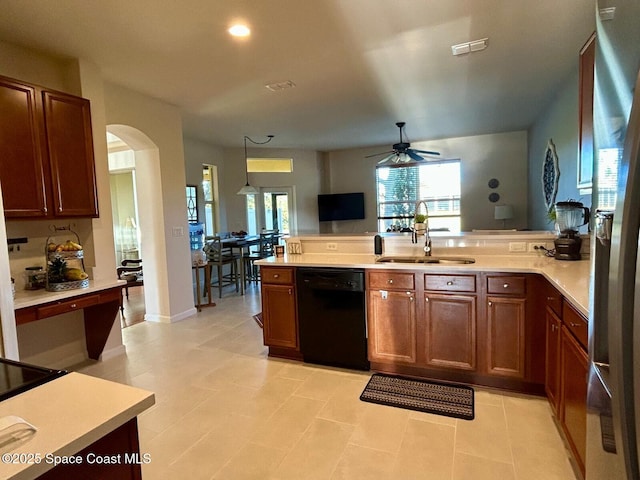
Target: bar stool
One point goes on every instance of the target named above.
(268, 238)
(219, 257)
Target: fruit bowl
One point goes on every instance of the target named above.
(63, 286)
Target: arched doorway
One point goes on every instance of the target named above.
(149, 226)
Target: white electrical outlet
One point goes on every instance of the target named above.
(332, 246)
(517, 246)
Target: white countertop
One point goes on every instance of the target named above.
(30, 298)
(571, 278)
(70, 413)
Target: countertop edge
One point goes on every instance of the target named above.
(570, 278)
(32, 298)
(52, 438)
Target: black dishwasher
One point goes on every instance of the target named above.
(331, 316)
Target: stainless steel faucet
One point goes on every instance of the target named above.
(427, 238)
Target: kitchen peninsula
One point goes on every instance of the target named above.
(77, 417)
(513, 319)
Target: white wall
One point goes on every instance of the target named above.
(196, 154)
(558, 121)
(483, 157)
(306, 178)
(162, 124)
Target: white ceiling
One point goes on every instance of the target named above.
(359, 65)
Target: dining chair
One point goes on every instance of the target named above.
(219, 257)
(266, 247)
(131, 271)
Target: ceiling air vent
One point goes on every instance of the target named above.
(468, 47)
(274, 87)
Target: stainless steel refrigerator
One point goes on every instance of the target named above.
(613, 403)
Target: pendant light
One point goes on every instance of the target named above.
(248, 189)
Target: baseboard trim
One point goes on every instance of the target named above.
(170, 319)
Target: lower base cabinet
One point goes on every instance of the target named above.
(506, 338)
(120, 446)
(280, 324)
(450, 333)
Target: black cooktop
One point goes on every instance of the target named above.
(17, 377)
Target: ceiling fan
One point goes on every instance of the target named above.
(402, 151)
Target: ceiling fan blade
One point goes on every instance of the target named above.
(414, 155)
(376, 154)
(426, 152)
(393, 158)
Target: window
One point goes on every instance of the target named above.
(209, 191)
(269, 165)
(400, 187)
(609, 160)
(192, 204)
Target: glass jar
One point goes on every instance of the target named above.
(34, 278)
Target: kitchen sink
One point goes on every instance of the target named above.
(426, 260)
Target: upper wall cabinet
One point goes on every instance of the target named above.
(587, 69)
(46, 153)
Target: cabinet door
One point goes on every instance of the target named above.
(280, 327)
(21, 158)
(552, 360)
(573, 401)
(506, 336)
(70, 146)
(450, 331)
(392, 326)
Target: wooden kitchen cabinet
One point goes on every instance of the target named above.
(392, 317)
(450, 321)
(506, 343)
(280, 323)
(46, 153)
(506, 340)
(574, 367)
(552, 358)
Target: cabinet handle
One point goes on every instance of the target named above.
(390, 281)
(290, 292)
(553, 327)
(506, 285)
(490, 303)
(450, 283)
(73, 305)
(426, 299)
(551, 299)
(410, 298)
(276, 275)
(574, 324)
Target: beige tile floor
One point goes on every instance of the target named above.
(226, 411)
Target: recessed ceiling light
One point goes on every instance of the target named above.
(239, 30)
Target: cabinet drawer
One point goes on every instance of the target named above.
(507, 285)
(450, 283)
(279, 276)
(576, 324)
(553, 300)
(67, 306)
(391, 281)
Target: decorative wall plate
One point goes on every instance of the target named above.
(550, 175)
(493, 183)
(494, 197)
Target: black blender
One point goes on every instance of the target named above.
(569, 217)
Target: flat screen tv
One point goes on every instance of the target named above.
(341, 206)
